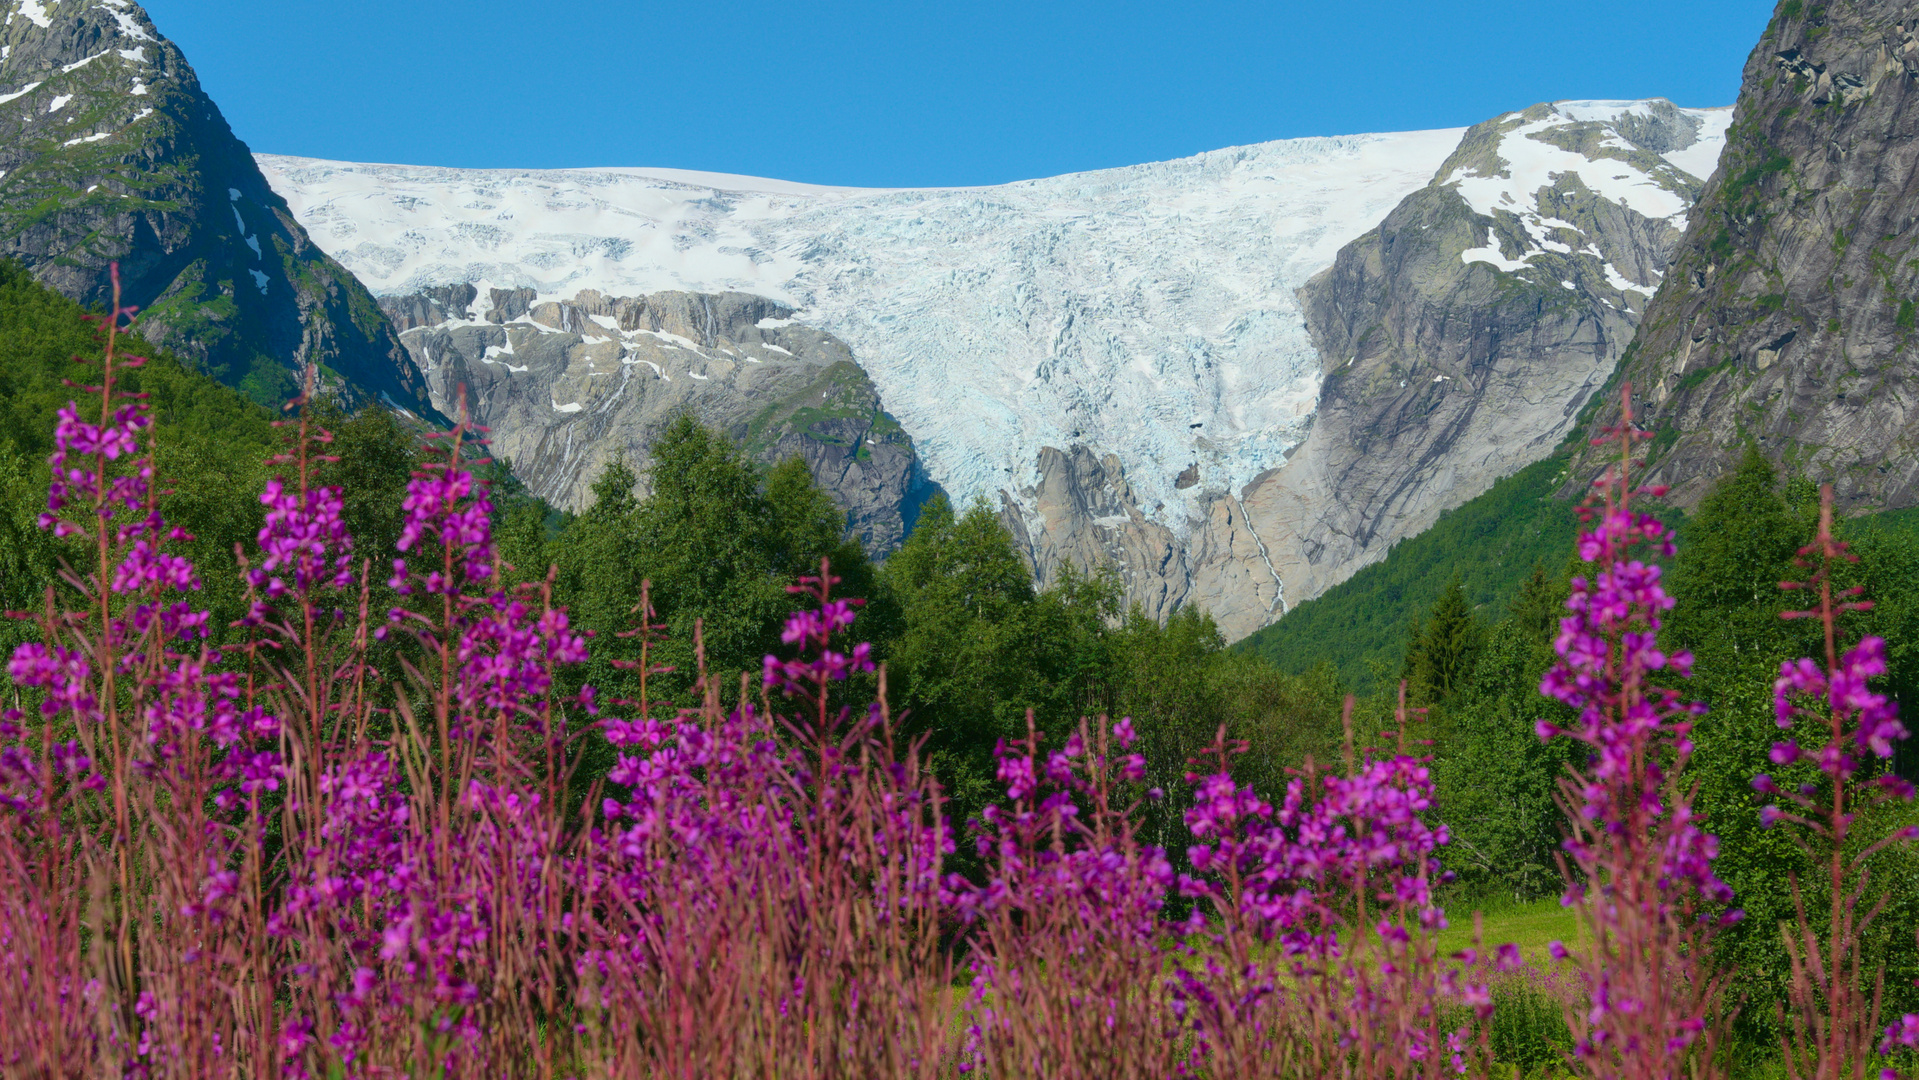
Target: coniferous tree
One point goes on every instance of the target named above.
(599, 577)
(1496, 778)
(1445, 649)
(1735, 550)
(1737, 547)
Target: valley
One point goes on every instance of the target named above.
(1233, 380)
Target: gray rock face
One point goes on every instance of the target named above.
(110, 150)
(1459, 338)
(1083, 512)
(567, 386)
(1445, 375)
(1789, 318)
(1117, 359)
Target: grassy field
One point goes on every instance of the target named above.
(1530, 926)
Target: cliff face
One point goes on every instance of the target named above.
(1788, 318)
(1234, 378)
(1460, 338)
(1463, 335)
(568, 385)
(110, 150)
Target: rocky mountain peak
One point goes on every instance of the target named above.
(1223, 376)
(111, 151)
(1462, 335)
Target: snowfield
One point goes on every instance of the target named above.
(1530, 164)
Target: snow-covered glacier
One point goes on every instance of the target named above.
(1146, 311)
(1118, 360)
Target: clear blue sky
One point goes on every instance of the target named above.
(912, 92)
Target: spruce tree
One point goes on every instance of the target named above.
(1734, 551)
(1446, 647)
(1496, 779)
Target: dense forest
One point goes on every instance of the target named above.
(1464, 615)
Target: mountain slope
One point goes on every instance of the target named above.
(1119, 360)
(1463, 335)
(110, 150)
(1788, 318)
(1361, 626)
(1140, 321)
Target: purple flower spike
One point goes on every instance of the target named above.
(304, 538)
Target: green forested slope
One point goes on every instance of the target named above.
(1361, 626)
(211, 443)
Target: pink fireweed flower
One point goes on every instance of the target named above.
(1848, 722)
(305, 536)
(719, 806)
(1607, 649)
(1339, 875)
(64, 673)
(813, 630)
(1640, 867)
(444, 503)
(1901, 1032)
(146, 567)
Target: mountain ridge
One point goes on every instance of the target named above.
(110, 151)
(1789, 319)
(568, 386)
(1466, 331)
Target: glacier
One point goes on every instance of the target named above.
(1144, 311)
(1118, 361)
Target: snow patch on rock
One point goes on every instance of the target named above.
(20, 93)
(128, 26)
(1526, 164)
(34, 12)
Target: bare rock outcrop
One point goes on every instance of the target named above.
(567, 386)
(1459, 340)
(1789, 316)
